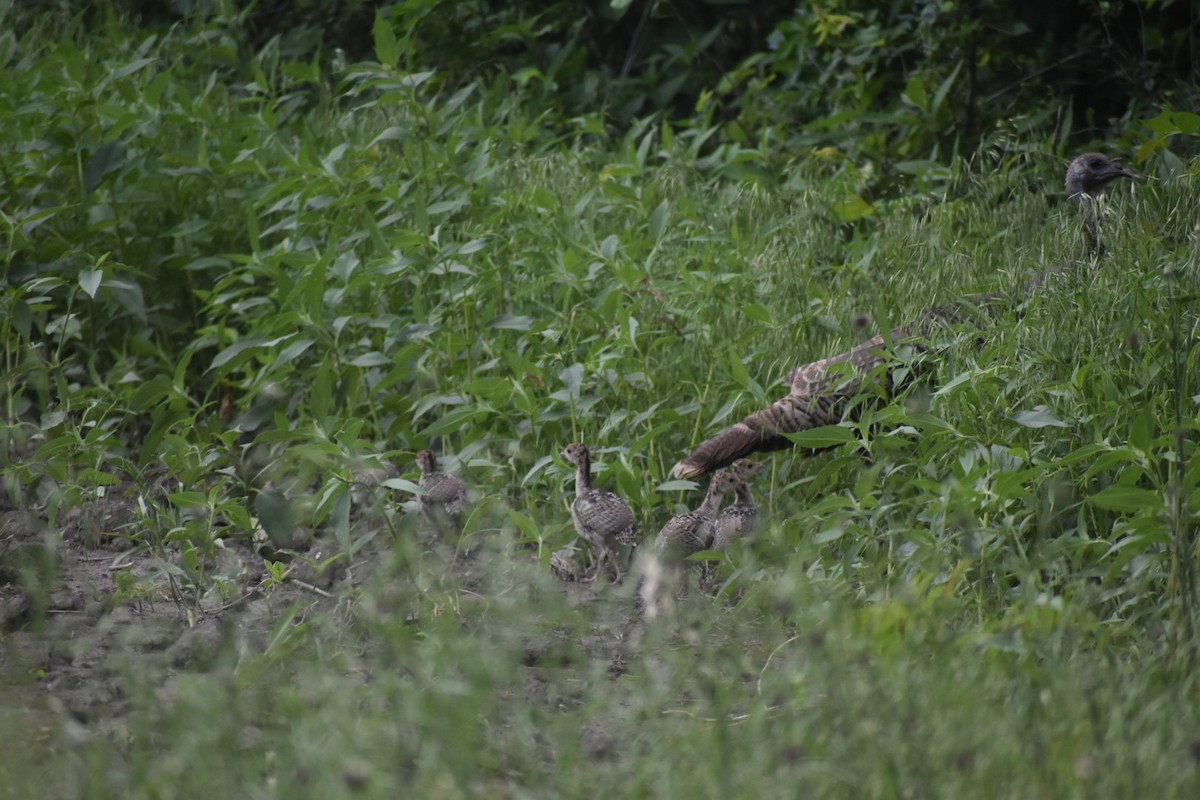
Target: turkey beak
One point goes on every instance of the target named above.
(1117, 170)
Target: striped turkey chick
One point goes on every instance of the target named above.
(564, 565)
(737, 520)
(444, 499)
(601, 517)
(683, 536)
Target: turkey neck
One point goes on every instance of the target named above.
(583, 474)
(742, 496)
(712, 499)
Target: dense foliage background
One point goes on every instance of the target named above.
(253, 258)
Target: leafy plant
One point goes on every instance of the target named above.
(242, 288)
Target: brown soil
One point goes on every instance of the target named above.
(89, 614)
(83, 611)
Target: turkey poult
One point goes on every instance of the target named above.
(601, 517)
(822, 392)
(564, 565)
(683, 536)
(692, 531)
(737, 520)
(444, 499)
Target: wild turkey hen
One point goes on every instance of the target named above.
(1087, 176)
(822, 392)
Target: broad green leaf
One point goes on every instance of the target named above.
(915, 93)
(22, 318)
(1082, 454)
(1127, 499)
(1139, 543)
(429, 401)
(538, 467)
(107, 159)
(156, 391)
(852, 208)
(386, 52)
(321, 393)
(372, 359)
(89, 281)
(445, 206)
(496, 390)
(1149, 147)
(237, 516)
(758, 312)
(953, 383)
(927, 421)
(98, 477)
(511, 322)
(525, 524)
(129, 296)
(1040, 417)
(1116, 458)
(276, 516)
(945, 87)
(456, 100)
(722, 414)
(609, 247)
(188, 499)
(1170, 122)
(131, 68)
(738, 369)
(676, 486)
(543, 200)
(825, 436)
(292, 351)
(329, 164)
(658, 220)
(389, 134)
(415, 79)
(1142, 430)
(572, 378)
(452, 421)
(402, 485)
(229, 353)
(832, 535)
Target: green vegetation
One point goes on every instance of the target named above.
(239, 283)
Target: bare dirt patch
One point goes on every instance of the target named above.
(80, 615)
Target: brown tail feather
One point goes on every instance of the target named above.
(762, 432)
(821, 393)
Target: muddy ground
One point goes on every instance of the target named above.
(82, 611)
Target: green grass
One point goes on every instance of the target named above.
(990, 591)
